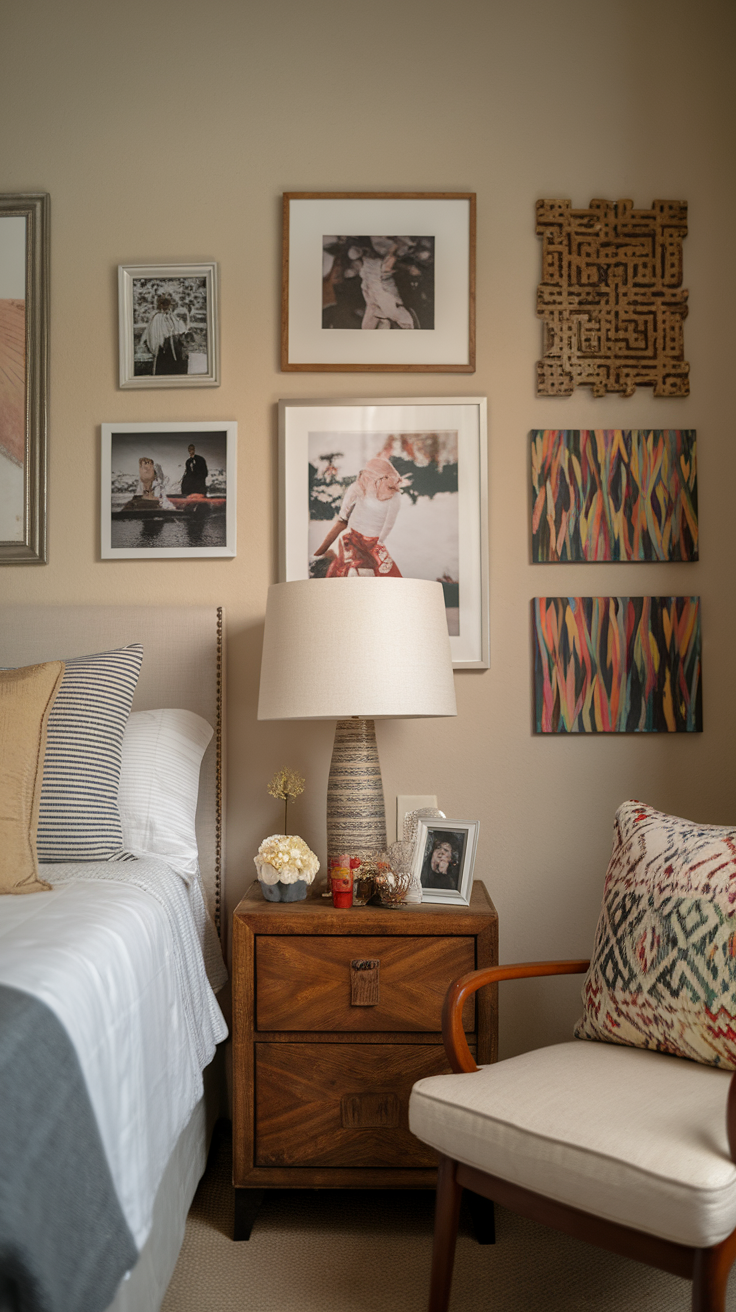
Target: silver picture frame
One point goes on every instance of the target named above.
(24, 368)
(168, 325)
(451, 845)
(441, 529)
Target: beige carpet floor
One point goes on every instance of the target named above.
(340, 1251)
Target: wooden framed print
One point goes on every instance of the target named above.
(401, 300)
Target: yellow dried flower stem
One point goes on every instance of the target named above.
(285, 784)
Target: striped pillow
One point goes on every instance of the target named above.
(79, 818)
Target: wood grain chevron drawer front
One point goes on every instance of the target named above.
(340, 1104)
(304, 983)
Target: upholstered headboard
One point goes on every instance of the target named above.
(182, 667)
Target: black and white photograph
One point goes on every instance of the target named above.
(168, 490)
(378, 281)
(391, 489)
(168, 331)
(444, 859)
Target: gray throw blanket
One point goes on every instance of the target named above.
(64, 1242)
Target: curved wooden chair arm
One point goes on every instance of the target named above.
(453, 1034)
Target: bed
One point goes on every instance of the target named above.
(113, 970)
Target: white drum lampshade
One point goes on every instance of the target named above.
(355, 650)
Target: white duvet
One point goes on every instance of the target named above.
(116, 951)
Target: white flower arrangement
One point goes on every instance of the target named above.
(287, 858)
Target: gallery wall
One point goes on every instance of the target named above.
(166, 133)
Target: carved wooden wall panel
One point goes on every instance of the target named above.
(611, 298)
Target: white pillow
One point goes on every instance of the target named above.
(159, 782)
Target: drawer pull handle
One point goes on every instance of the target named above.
(369, 1111)
(364, 985)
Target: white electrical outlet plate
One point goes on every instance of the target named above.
(413, 802)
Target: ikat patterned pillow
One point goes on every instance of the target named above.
(663, 971)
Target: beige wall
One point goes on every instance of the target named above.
(167, 132)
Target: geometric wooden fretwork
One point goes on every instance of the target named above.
(611, 298)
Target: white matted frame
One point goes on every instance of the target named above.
(191, 510)
(424, 282)
(168, 325)
(438, 445)
(445, 851)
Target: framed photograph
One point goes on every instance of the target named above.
(24, 349)
(168, 490)
(168, 325)
(414, 277)
(444, 858)
(393, 488)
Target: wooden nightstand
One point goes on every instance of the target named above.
(326, 1051)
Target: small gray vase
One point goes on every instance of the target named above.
(282, 892)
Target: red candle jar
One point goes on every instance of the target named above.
(341, 878)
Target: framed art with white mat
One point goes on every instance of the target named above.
(391, 488)
(415, 277)
(168, 490)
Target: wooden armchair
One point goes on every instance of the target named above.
(628, 1149)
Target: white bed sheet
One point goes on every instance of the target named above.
(114, 950)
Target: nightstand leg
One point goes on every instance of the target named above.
(483, 1217)
(247, 1203)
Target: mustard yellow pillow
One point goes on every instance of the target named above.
(26, 698)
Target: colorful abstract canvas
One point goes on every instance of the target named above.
(602, 494)
(617, 665)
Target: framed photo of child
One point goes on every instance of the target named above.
(444, 858)
(391, 488)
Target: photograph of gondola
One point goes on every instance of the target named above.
(168, 490)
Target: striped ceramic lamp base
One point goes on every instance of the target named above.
(356, 817)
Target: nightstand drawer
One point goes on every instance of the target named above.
(340, 1104)
(306, 982)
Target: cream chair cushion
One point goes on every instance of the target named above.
(632, 1136)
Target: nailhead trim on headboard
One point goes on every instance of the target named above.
(218, 778)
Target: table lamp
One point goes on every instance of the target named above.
(355, 650)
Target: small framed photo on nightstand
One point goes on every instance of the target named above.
(444, 858)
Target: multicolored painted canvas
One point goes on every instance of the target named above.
(603, 494)
(617, 665)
